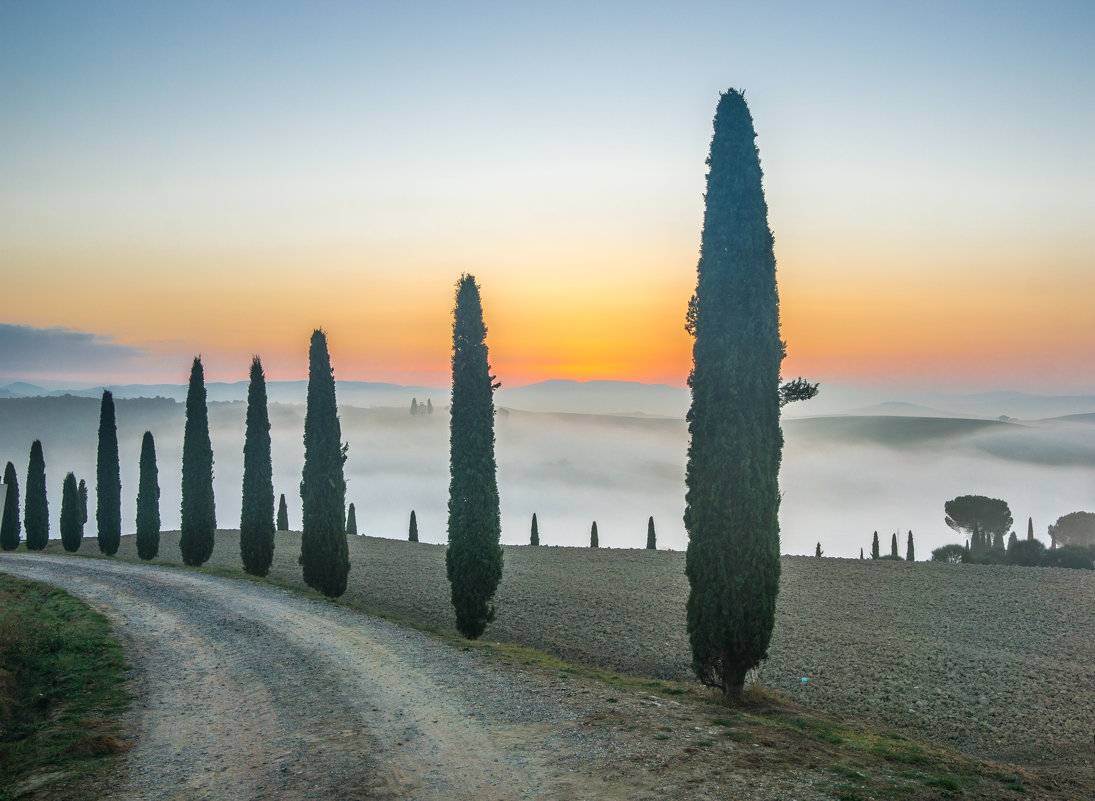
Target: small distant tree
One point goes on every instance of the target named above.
(875, 553)
(1012, 539)
(412, 530)
(10, 528)
(534, 537)
(81, 490)
(910, 552)
(860, 553)
(351, 521)
(954, 554)
(36, 508)
(324, 554)
(893, 545)
(981, 517)
(473, 560)
(1075, 528)
(817, 550)
(148, 501)
(1030, 528)
(651, 537)
(429, 406)
(414, 407)
(72, 529)
(199, 515)
(257, 505)
(594, 542)
(108, 480)
(283, 514)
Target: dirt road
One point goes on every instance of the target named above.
(248, 691)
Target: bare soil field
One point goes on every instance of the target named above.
(994, 660)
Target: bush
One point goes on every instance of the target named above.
(954, 554)
(1073, 556)
(1029, 553)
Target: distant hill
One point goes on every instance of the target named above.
(597, 397)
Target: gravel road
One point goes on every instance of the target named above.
(249, 691)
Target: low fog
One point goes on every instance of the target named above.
(842, 479)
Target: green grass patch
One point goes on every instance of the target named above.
(61, 686)
(825, 730)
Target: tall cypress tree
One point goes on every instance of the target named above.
(412, 530)
(594, 540)
(257, 509)
(148, 501)
(351, 521)
(651, 537)
(72, 526)
(1030, 528)
(910, 552)
(283, 514)
(10, 528)
(732, 499)
(199, 514)
(35, 506)
(875, 553)
(534, 536)
(108, 480)
(473, 560)
(81, 490)
(893, 546)
(323, 551)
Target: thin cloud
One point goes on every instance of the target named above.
(28, 352)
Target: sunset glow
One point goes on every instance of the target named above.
(187, 179)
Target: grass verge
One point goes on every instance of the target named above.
(61, 689)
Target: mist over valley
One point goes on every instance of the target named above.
(615, 460)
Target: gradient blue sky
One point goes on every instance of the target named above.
(221, 178)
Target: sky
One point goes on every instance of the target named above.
(222, 178)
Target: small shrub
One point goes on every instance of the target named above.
(954, 554)
(1029, 553)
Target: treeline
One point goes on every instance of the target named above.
(987, 522)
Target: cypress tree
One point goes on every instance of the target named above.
(72, 527)
(257, 509)
(323, 551)
(893, 546)
(861, 554)
(817, 550)
(108, 481)
(473, 560)
(534, 537)
(651, 537)
(910, 553)
(429, 406)
(414, 407)
(283, 514)
(35, 506)
(1012, 540)
(874, 547)
(1030, 528)
(351, 521)
(148, 501)
(732, 499)
(10, 528)
(412, 530)
(81, 490)
(594, 540)
(199, 515)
